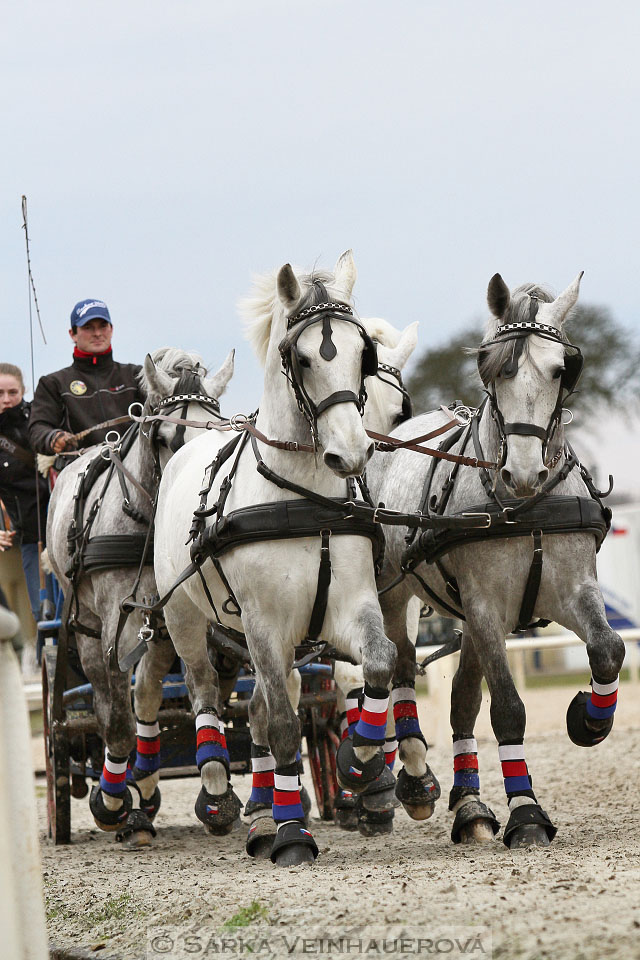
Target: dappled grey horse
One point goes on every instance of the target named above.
(254, 557)
(547, 521)
(103, 575)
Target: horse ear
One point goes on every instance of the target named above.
(217, 384)
(160, 383)
(498, 296)
(345, 273)
(406, 345)
(560, 307)
(288, 286)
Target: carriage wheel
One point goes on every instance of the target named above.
(322, 744)
(56, 751)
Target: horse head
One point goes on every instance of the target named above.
(528, 367)
(304, 326)
(177, 385)
(388, 401)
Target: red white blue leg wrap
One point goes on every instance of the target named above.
(604, 699)
(517, 782)
(287, 804)
(465, 765)
(211, 743)
(113, 779)
(390, 751)
(147, 747)
(405, 713)
(371, 727)
(262, 766)
(352, 702)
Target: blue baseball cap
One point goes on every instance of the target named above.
(87, 310)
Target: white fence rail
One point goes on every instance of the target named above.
(22, 918)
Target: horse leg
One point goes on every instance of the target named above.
(528, 824)
(474, 822)
(217, 806)
(349, 686)
(150, 673)
(360, 759)
(274, 720)
(590, 715)
(259, 806)
(417, 787)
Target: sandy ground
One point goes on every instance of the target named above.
(578, 899)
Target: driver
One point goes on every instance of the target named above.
(93, 389)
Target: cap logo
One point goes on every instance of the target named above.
(89, 306)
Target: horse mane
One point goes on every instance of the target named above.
(257, 309)
(492, 355)
(173, 360)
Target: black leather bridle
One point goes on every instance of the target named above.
(407, 405)
(324, 311)
(188, 389)
(518, 333)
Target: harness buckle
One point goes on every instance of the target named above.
(506, 513)
(237, 422)
(134, 416)
(146, 634)
(485, 516)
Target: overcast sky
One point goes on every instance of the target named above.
(170, 149)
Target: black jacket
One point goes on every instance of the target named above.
(91, 390)
(18, 477)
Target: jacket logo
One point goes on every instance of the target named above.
(78, 387)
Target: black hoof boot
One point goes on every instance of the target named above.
(469, 821)
(106, 819)
(293, 845)
(261, 837)
(137, 831)
(583, 730)
(374, 823)
(418, 795)
(351, 773)
(152, 805)
(218, 813)
(528, 826)
(381, 793)
(344, 810)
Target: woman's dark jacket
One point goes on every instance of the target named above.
(18, 476)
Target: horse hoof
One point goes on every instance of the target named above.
(530, 835)
(152, 805)
(351, 773)
(344, 811)
(137, 831)
(418, 795)
(293, 845)
(381, 794)
(583, 730)
(375, 824)
(294, 855)
(261, 837)
(474, 823)
(528, 826)
(105, 819)
(218, 813)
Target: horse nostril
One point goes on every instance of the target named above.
(506, 476)
(371, 450)
(542, 476)
(334, 462)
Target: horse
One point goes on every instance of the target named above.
(388, 404)
(541, 562)
(284, 573)
(93, 573)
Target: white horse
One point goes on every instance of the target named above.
(169, 370)
(499, 584)
(280, 585)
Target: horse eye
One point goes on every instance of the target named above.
(304, 362)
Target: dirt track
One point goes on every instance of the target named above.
(579, 899)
